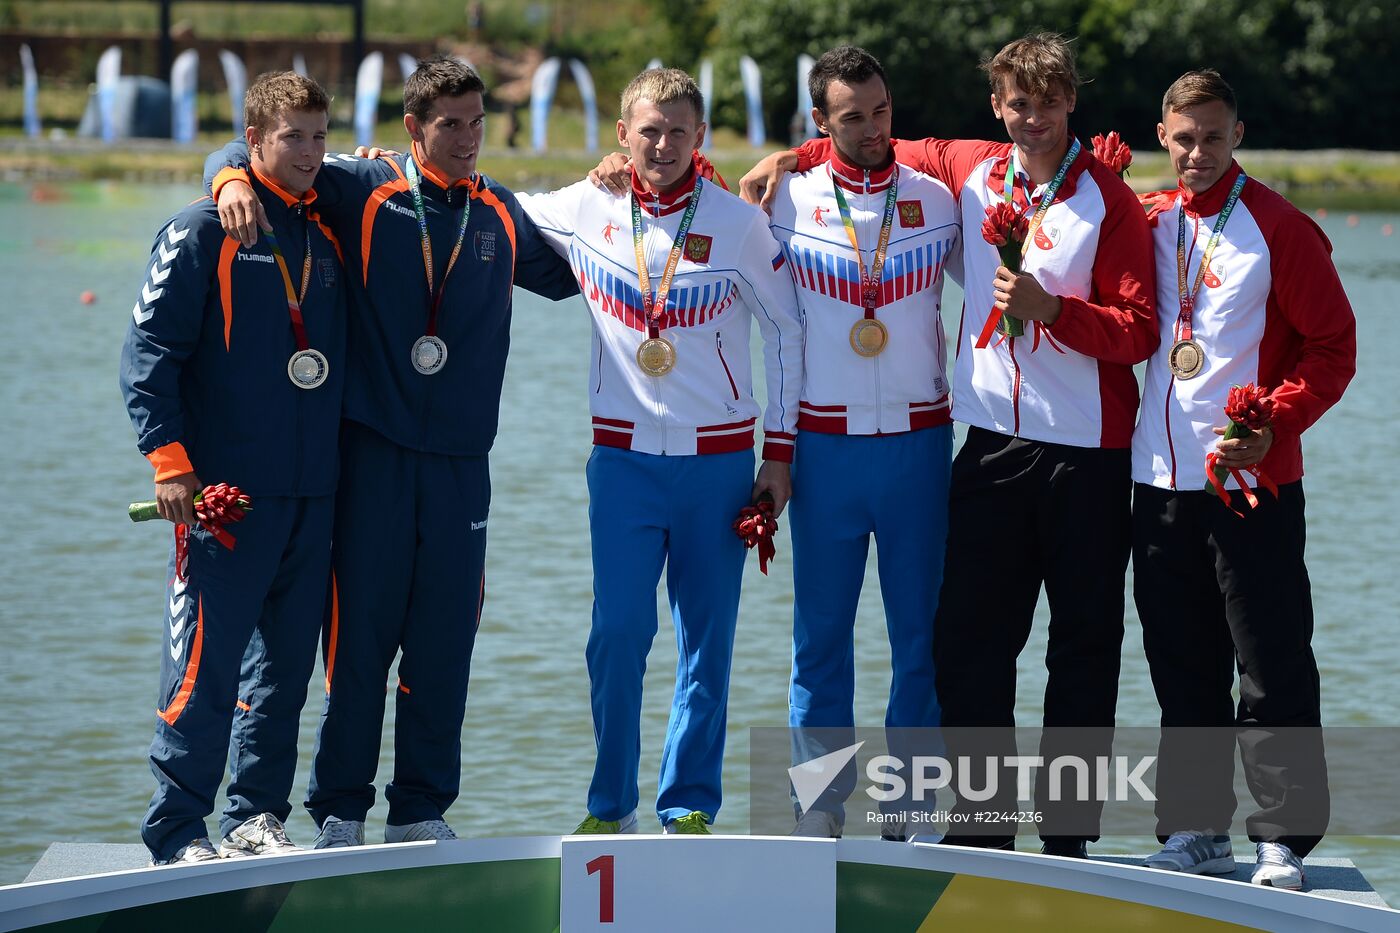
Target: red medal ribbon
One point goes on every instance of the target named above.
(1188, 298)
(294, 298)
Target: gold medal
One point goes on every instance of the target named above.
(869, 337)
(1186, 359)
(656, 356)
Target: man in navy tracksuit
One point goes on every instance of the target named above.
(232, 372)
(432, 249)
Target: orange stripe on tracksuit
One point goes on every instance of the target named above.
(332, 633)
(376, 199)
(182, 696)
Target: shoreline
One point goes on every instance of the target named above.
(1333, 178)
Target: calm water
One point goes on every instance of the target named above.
(80, 586)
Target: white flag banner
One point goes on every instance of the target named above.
(542, 87)
(805, 63)
(299, 65)
(368, 83)
(31, 91)
(109, 72)
(407, 65)
(586, 92)
(707, 87)
(654, 63)
(236, 77)
(753, 95)
(184, 77)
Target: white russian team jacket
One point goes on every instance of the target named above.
(731, 272)
(904, 388)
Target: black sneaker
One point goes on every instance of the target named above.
(1065, 847)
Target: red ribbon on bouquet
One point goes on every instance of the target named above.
(1250, 410)
(757, 526)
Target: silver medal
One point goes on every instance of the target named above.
(429, 354)
(308, 369)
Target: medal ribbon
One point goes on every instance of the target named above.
(1046, 199)
(294, 299)
(869, 283)
(434, 297)
(1188, 299)
(655, 307)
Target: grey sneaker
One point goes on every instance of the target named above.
(1195, 854)
(422, 831)
(1277, 867)
(340, 834)
(200, 850)
(819, 824)
(264, 834)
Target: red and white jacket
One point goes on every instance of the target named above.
(1072, 382)
(732, 272)
(1270, 310)
(905, 388)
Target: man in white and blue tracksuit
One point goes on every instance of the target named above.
(867, 240)
(673, 411)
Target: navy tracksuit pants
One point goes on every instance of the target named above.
(409, 558)
(270, 589)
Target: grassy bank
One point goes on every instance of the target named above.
(1336, 179)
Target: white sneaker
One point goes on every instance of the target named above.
(200, 850)
(1277, 867)
(819, 824)
(264, 834)
(422, 831)
(1195, 854)
(340, 834)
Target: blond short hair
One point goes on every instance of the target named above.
(663, 86)
(1038, 63)
(1199, 87)
(278, 92)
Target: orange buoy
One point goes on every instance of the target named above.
(1322, 213)
(1387, 229)
(1353, 220)
(87, 297)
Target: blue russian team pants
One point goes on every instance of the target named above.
(271, 587)
(645, 510)
(409, 558)
(845, 489)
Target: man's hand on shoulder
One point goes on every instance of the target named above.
(241, 214)
(175, 498)
(612, 174)
(775, 479)
(760, 184)
(374, 152)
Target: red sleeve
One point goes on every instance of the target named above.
(1311, 367)
(1119, 323)
(948, 160)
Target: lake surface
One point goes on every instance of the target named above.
(81, 587)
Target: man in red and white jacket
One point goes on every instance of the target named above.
(1246, 293)
(867, 241)
(674, 273)
(1040, 487)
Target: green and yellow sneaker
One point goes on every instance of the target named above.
(693, 823)
(592, 826)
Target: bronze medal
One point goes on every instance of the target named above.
(1186, 359)
(308, 368)
(656, 356)
(429, 354)
(869, 337)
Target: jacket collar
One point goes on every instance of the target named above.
(431, 173)
(1210, 201)
(285, 196)
(659, 205)
(996, 178)
(862, 181)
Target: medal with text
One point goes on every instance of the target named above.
(307, 368)
(657, 356)
(429, 353)
(1187, 357)
(869, 336)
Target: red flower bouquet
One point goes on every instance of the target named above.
(1005, 228)
(757, 526)
(1250, 411)
(215, 506)
(1113, 152)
